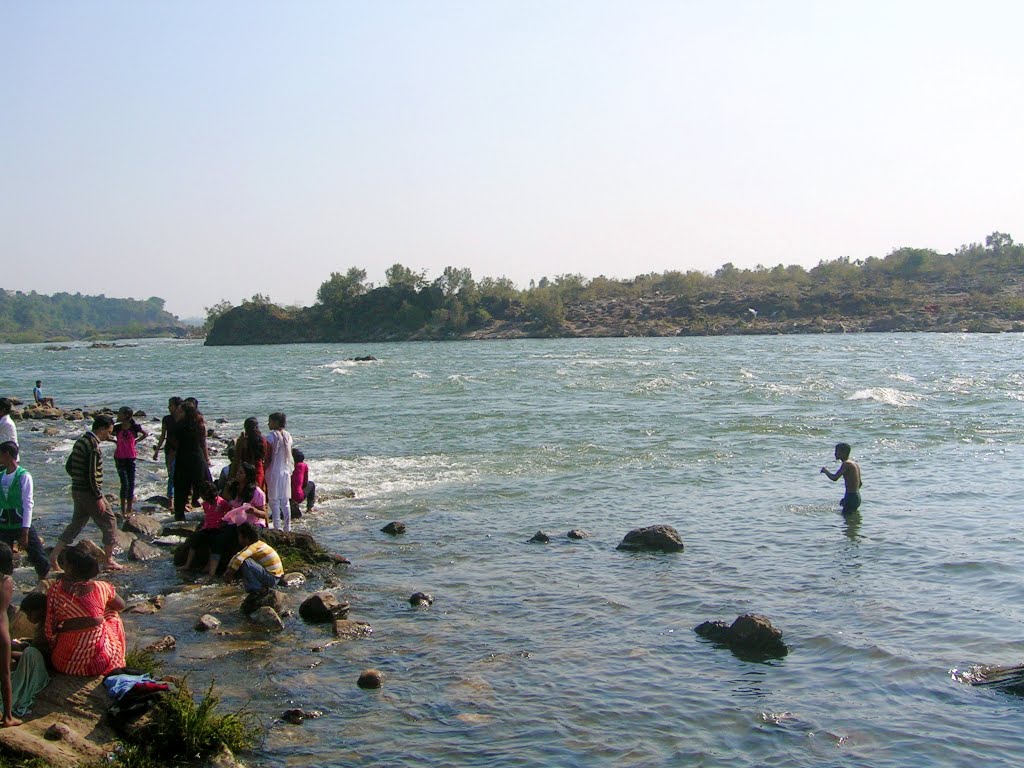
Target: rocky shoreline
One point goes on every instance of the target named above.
(175, 617)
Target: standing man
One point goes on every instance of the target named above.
(8, 432)
(16, 510)
(169, 443)
(37, 393)
(85, 465)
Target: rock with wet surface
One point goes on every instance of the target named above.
(653, 538)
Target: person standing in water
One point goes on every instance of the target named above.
(85, 465)
(849, 470)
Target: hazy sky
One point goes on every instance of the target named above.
(211, 150)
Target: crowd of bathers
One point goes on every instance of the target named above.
(75, 618)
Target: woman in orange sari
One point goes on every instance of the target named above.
(82, 622)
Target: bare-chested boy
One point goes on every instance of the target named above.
(849, 470)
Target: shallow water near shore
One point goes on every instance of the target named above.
(573, 653)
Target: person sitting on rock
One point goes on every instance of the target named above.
(207, 537)
(83, 625)
(258, 563)
(37, 393)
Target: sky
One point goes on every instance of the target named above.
(210, 150)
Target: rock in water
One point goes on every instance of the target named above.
(578, 533)
(394, 528)
(323, 607)
(207, 622)
(750, 634)
(653, 538)
(421, 598)
(143, 525)
(370, 678)
(267, 617)
(540, 538)
(140, 552)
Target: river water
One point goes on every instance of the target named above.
(575, 654)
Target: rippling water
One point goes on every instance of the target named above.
(576, 654)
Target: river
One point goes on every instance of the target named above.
(575, 654)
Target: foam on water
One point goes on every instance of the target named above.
(886, 395)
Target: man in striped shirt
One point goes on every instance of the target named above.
(258, 563)
(85, 465)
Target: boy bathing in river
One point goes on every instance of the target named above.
(849, 470)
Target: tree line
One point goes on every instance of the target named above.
(64, 316)
(984, 276)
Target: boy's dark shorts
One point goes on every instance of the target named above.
(850, 503)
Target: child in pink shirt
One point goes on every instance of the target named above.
(303, 489)
(127, 433)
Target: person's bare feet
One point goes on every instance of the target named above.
(111, 565)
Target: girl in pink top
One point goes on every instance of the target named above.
(303, 489)
(127, 433)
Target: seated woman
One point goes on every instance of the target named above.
(83, 627)
(248, 506)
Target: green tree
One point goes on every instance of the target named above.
(339, 289)
(212, 313)
(398, 276)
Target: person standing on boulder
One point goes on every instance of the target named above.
(168, 443)
(849, 470)
(85, 465)
(16, 510)
(8, 432)
(279, 471)
(127, 433)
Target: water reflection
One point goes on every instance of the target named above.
(851, 526)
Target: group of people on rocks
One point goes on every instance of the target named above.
(79, 626)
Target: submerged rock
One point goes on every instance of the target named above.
(394, 528)
(298, 716)
(166, 643)
(653, 538)
(161, 501)
(540, 538)
(421, 598)
(750, 634)
(578, 533)
(351, 630)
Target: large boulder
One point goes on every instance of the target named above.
(751, 634)
(653, 538)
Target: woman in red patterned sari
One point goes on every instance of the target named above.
(82, 622)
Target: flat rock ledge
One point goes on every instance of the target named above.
(76, 706)
(751, 634)
(653, 538)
